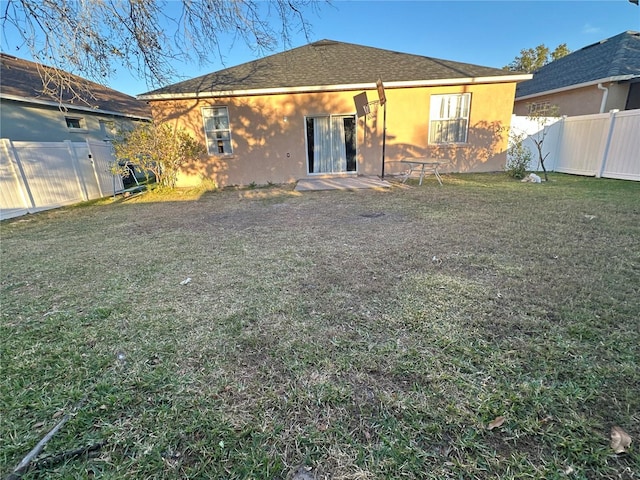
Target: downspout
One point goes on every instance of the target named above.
(603, 104)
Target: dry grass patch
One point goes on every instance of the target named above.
(366, 334)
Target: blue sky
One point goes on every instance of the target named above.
(489, 33)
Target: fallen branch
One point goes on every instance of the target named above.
(23, 466)
(53, 459)
(35, 451)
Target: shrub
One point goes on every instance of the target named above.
(518, 157)
(159, 149)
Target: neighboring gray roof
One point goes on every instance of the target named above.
(328, 63)
(618, 56)
(21, 79)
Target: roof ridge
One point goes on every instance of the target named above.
(617, 37)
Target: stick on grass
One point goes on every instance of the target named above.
(26, 461)
(35, 451)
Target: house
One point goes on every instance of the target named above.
(52, 147)
(27, 113)
(303, 112)
(595, 79)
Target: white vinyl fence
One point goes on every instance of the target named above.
(36, 176)
(600, 145)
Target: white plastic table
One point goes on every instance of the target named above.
(423, 165)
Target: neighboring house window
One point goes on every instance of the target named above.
(217, 130)
(74, 123)
(539, 109)
(449, 118)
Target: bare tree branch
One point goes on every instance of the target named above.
(94, 38)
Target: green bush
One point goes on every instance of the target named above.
(159, 149)
(518, 157)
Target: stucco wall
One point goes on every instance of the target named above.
(268, 132)
(20, 121)
(581, 101)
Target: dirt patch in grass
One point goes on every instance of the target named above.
(366, 334)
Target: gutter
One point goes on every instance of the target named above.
(603, 104)
(68, 106)
(619, 78)
(338, 88)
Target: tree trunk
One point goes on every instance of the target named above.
(544, 169)
(542, 158)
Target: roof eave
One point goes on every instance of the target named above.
(338, 88)
(68, 106)
(618, 78)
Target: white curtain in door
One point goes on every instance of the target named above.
(321, 145)
(339, 146)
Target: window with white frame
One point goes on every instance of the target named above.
(217, 130)
(449, 118)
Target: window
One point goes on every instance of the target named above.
(449, 118)
(539, 109)
(74, 123)
(217, 130)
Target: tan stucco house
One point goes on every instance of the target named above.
(595, 79)
(293, 115)
(29, 113)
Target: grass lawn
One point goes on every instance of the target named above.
(328, 335)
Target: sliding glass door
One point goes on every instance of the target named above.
(331, 144)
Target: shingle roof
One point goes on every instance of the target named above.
(617, 56)
(21, 78)
(328, 63)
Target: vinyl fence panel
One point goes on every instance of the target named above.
(623, 149)
(51, 176)
(582, 144)
(532, 129)
(13, 194)
(603, 144)
(38, 176)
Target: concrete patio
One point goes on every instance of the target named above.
(341, 183)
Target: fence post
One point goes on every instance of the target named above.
(607, 145)
(18, 171)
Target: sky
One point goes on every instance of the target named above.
(488, 33)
